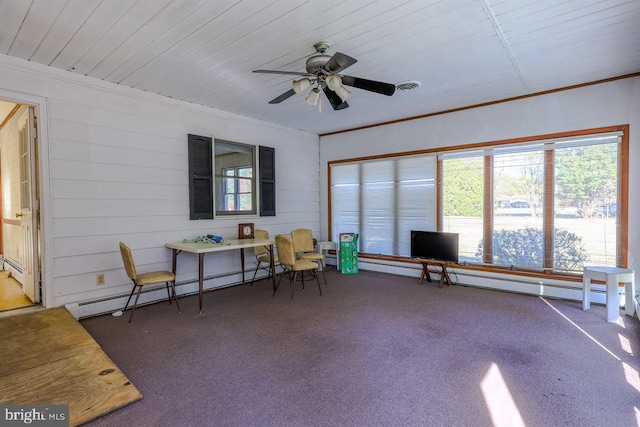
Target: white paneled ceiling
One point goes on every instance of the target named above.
(464, 52)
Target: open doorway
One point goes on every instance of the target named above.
(20, 283)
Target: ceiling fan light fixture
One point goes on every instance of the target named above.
(313, 97)
(300, 85)
(323, 73)
(343, 93)
(334, 82)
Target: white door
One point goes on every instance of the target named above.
(29, 210)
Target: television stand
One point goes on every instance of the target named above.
(444, 275)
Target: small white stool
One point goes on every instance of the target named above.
(611, 276)
(324, 246)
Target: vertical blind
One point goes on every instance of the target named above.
(383, 200)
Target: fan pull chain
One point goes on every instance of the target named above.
(320, 106)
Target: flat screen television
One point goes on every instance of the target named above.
(434, 245)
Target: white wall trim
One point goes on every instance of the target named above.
(552, 288)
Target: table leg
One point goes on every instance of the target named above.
(242, 263)
(200, 278)
(425, 273)
(586, 291)
(629, 296)
(174, 260)
(613, 299)
(445, 274)
(174, 267)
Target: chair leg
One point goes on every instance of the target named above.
(318, 280)
(278, 284)
(130, 295)
(255, 272)
(293, 285)
(254, 275)
(168, 292)
(135, 304)
(323, 275)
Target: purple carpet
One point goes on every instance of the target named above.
(373, 350)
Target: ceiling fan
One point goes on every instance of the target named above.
(322, 73)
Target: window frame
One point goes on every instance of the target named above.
(237, 178)
(220, 179)
(548, 193)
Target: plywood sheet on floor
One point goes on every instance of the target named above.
(47, 357)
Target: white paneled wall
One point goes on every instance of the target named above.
(117, 171)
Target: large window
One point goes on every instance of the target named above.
(549, 204)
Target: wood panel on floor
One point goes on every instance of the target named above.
(47, 357)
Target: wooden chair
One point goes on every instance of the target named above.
(293, 265)
(263, 255)
(305, 249)
(140, 280)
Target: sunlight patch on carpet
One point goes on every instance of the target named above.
(632, 376)
(625, 344)
(502, 407)
(581, 330)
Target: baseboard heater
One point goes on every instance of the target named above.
(551, 288)
(157, 293)
(14, 268)
(15, 265)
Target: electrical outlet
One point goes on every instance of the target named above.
(100, 279)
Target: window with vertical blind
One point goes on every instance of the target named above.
(383, 200)
(554, 204)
